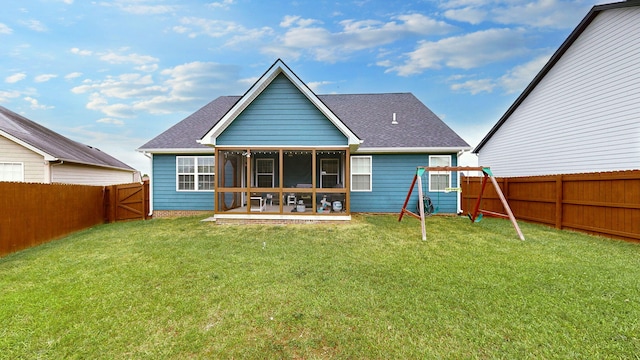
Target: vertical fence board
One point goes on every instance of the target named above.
(606, 204)
(36, 213)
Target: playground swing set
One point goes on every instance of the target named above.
(425, 205)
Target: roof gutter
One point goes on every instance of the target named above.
(207, 150)
(412, 150)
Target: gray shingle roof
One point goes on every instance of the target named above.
(369, 116)
(184, 134)
(54, 144)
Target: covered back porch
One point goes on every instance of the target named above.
(282, 183)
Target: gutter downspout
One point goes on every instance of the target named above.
(459, 196)
(150, 156)
(48, 169)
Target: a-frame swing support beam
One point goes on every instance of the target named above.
(487, 175)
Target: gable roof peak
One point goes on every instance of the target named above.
(277, 68)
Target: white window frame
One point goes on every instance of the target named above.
(271, 173)
(369, 173)
(12, 163)
(196, 173)
(438, 162)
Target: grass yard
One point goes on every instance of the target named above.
(371, 289)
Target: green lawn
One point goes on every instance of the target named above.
(371, 289)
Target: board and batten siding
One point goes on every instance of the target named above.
(165, 195)
(281, 116)
(68, 173)
(33, 164)
(392, 175)
(584, 115)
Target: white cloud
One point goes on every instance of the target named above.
(516, 79)
(139, 8)
(114, 58)
(466, 3)
(464, 52)
(81, 52)
(34, 104)
(306, 36)
(147, 9)
(539, 13)
(100, 103)
(291, 20)
(147, 67)
(513, 81)
(224, 4)
(145, 62)
(475, 86)
(469, 14)
(125, 86)
(34, 25)
(110, 121)
(315, 85)
(542, 13)
(4, 29)
(5, 96)
(180, 88)
(12, 79)
(73, 75)
(194, 27)
(45, 77)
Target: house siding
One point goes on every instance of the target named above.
(281, 116)
(67, 173)
(583, 116)
(33, 163)
(392, 175)
(165, 196)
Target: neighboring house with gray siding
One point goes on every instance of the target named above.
(282, 152)
(581, 113)
(30, 152)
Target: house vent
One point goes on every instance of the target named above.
(394, 122)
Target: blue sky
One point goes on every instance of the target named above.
(114, 74)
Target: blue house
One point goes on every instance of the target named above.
(282, 152)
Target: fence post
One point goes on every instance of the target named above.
(146, 199)
(559, 203)
(105, 204)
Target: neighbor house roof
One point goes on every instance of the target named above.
(369, 116)
(51, 145)
(595, 11)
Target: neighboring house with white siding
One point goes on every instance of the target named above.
(30, 152)
(581, 113)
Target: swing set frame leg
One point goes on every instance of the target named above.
(416, 178)
(476, 210)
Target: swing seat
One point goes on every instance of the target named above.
(477, 218)
(428, 206)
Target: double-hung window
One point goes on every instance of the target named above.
(11, 171)
(265, 176)
(439, 180)
(195, 173)
(361, 173)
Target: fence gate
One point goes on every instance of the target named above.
(128, 202)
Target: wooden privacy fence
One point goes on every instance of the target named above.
(606, 204)
(33, 214)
